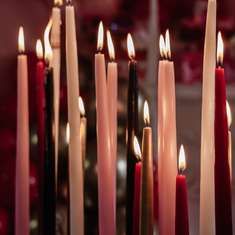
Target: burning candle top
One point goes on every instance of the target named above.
(48, 49)
(229, 114)
(58, 3)
(165, 46)
(136, 148)
(182, 160)
(146, 114)
(110, 46)
(39, 49)
(100, 40)
(21, 44)
(81, 107)
(220, 50)
(130, 47)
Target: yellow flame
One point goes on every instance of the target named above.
(220, 49)
(81, 106)
(182, 160)
(100, 40)
(47, 44)
(67, 133)
(39, 49)
(110, 46)
(58, 2)
(21, 45)
(136, 146)
(168, 44)
(130, 47)
(162, 46)
(229, 114)
(146, 113)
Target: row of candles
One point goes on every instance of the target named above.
(215, 194)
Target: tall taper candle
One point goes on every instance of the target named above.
(75, 158)
(207, 191)
(22, 144)
(132, 130)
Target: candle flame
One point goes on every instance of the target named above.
(168, 44)
(21, 45)
(48, 49)
(162, 46)
(39, 49)
(182, 160)
(130, 47)
(146, 113)
(81, 106)
(110, 46)
(58, 2)
(67, 133)
(100, 40)
(137, 150)
(229, 114)
(220, 49)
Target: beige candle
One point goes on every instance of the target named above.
(22, 144)
(75, 158)
(146, 219)
(229, 117)
(55, 43)
(207, 190)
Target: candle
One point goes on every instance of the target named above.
(75, 159)
(229, 117)
(132, 129)
(49, 200)
(181, 213)
(55, 43)
(83, 128)
(137, 187)
(223, 205)
(22, 144)
(207, 203)
(167, 160)
(40, 96)
(146, 221)
(112, 87)
(105, 180)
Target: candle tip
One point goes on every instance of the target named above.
(100, 40)
(168, 44)
(182, 160)
(130, 47)
(81, 106)
(220, 49)
(39, 49)
(110, 46)
(136, 147)
(229, 114)
(21, 43)
(146, 113)
(47, 44)
(58, 3)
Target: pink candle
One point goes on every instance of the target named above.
(167, 152)
(105, 180)
(22, 145)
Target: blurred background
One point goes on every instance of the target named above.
(145, 20)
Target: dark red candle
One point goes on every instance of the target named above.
(223, 205)
(137, 188)
(181, 212)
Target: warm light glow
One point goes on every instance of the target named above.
(81, 106)
(39, 49)
(182, 161)
(130, 47)
(229, 114)
(100, 40)
(136, 146)
(168, 44)
(21, 45)
(162, 47)
(58, 2)
(110, 46)
(67, 133)
(47, 44)
(146, 113)
(220, 49)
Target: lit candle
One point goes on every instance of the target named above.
(146, 221)
(22, 144)
(49, 200)
(112, 86)
(223, 204)
(181, 213)
(55, 43)
(229, 117)
(137, 187)
(167, 151)
(40, 96)
(75, 159)
(83, 128)
(105, 180)
(207, 202)
(132, 129)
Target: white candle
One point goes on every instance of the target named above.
(75, 158)
(22, 144)
(55, 43)
(229, 117)
(167, 150)
(207, 202)
(105, 180)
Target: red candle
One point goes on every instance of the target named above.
(137, 188)
(223, 206)
(181, 216)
